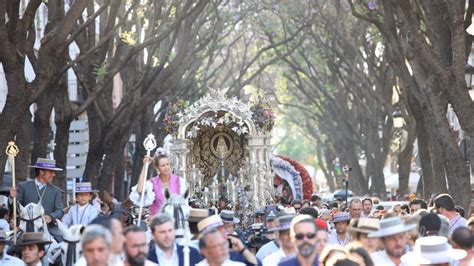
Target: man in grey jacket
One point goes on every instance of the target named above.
(41, 191)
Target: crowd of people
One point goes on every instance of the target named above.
(310, 232)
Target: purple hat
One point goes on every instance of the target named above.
(84, 188)
(47, 164)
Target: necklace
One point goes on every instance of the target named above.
(455, 222)
(82, 215)
(40, 197)
(343, 242)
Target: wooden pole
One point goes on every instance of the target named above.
(12, 151)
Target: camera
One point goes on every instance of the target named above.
(257, 235)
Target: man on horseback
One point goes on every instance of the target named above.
(41, 191)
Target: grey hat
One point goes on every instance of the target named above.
(228, 217)
(392, 226)
(341, 217)
(259, 211)
(271, 216)
(284, 223)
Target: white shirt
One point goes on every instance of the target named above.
(274, 258)
(228, 262)
(456, 222)
(334, 240)
(80, 215)
(163, 259)
(7, 260)
(149, 194)
(4, 225)
(382, 258)
(39, 185)
(266, 250)
(115, 260)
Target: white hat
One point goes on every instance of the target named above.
(209, 223)
(432, 250)
(392, 226)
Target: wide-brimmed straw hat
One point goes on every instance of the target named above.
(432, 250)
(364, 226)
(196, 215)
(228, 217)
(209, 223)
(32, 239)
(84, 188)
(47, 164)
(392, 226)
(341, 217)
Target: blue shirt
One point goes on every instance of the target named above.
(8, 260)
(293, 261)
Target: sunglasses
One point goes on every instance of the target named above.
(301, 236)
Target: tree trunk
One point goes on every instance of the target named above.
(404, 160)
(427, 173)
(113, 156)
(119, 177)
(457, 172)
(63, 119)
(23, 142)
(324, 169)
(357, 181)
(42, 126)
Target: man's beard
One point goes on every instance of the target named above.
(138, 260)
(306, 249)
(395, 253)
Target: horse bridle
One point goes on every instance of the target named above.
(30, 223)
(177, 214)
(71, 252)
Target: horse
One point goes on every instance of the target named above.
(32, 220)
(178, 208)
(69, 250)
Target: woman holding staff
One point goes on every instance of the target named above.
(155, 187)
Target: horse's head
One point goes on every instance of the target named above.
(31, 218)
(177, 207)
(72, 233)
(70, 248)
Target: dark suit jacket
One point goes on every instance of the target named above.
(51, 201)
(194, 256)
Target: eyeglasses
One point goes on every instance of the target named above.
(301, 236)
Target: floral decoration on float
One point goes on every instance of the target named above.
(295, 174)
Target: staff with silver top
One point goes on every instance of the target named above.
(150, 144)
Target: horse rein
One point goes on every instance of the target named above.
(71, 252)
(30, 223)
(177, 213)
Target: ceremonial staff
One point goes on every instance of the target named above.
(150, 144)
(12, 151)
